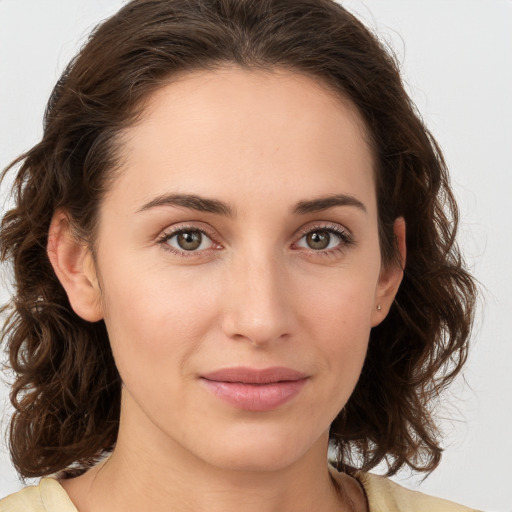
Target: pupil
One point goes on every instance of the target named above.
(189, 240)
(318, 239)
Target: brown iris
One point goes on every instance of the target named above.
(189, 240)
(318, 239)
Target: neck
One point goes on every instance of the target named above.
(152, 472)
(127, 482)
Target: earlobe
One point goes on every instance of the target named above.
(390, 276)
(73, 264)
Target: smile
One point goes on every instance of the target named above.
(255, 390)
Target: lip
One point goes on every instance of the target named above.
(256, 390)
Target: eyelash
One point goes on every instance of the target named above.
(167, 235)
(346, 240)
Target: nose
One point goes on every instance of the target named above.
(258, 304)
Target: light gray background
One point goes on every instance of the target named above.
(457, 60)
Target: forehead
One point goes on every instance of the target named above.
(249, 131)
(271, 95)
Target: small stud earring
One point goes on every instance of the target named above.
(378, 307)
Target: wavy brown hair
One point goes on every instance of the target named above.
(66, 392)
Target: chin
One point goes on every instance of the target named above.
(255, 460)
(263, 451)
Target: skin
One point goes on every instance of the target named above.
(255, 293)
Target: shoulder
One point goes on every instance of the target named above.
(385, 495)
(48, 496)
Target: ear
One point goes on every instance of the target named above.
(390, 276)
(73, 263)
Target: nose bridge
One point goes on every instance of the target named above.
(258, 307)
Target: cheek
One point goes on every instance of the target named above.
(334, 333)
(337, 316)
(341, 302)
(155, 319)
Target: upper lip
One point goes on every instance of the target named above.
(248, 375)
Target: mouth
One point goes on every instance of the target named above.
(255, 390)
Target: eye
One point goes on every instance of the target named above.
(188, 240)
(323, 239)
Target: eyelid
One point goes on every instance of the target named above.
(346, 236)
(172, 231)
(324, 225)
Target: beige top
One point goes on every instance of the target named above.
(383, 496)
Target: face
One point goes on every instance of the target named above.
(238, 266)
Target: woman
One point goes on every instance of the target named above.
(233, 247)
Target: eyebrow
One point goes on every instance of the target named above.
(192, 202)
(325, 202)
(215, 206)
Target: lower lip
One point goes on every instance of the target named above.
(255, 397)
